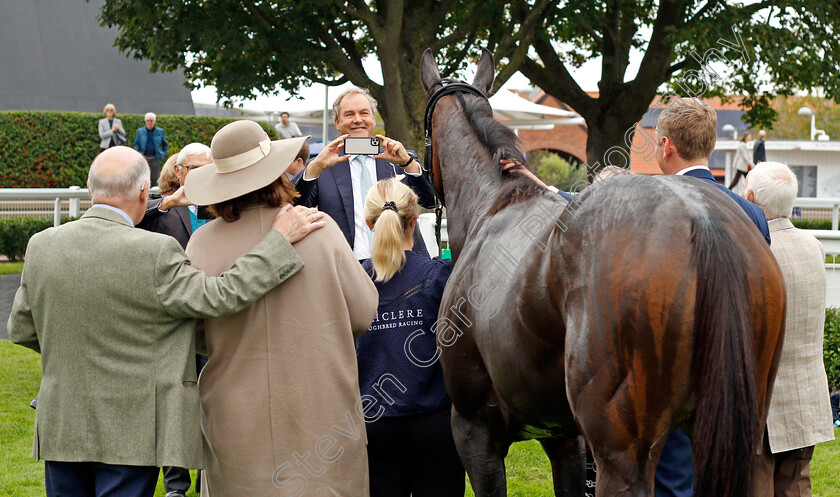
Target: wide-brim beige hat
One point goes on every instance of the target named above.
(244, 160)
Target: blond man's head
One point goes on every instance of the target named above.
(691, 125)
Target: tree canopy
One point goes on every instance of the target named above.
(246, 46)
(697, 47)
(691, 48)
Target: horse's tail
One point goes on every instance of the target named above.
(726, 422)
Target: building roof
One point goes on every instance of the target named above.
(55, 56)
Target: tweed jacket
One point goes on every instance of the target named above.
(105, 133)
(800, 413)
(109, 307)
(282, 382)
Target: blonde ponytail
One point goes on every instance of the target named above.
(388, 207)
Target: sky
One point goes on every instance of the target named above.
(587, 76)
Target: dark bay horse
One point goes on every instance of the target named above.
(645, 304)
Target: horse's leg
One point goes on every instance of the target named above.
(482, 448)
(568, 466)
(622, 475)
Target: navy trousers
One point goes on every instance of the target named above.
(94, 479)
(675, 472)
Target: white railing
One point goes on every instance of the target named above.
(17, 202)
(818, 208)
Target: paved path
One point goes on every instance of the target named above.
(8, 286)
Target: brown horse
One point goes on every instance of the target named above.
(645, 304)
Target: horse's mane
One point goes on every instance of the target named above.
(503, 144)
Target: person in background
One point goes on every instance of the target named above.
(759, 154)
(299, 163)
(742, 163)
(173, 215)
(800, 411)
(280, 390)
(410, 446)
(111, 132)
(337, 184)
(287, 129)
(151, 142)
(168, 181)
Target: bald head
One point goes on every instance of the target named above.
(119, 176)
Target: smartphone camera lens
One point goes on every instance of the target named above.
(374, 142)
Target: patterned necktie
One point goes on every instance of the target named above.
(365, 184)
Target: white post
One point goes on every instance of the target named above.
(834, 216)
(57, 212)
(74, 203)
(326, 113)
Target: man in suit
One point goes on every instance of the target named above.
(759, 154)
(338, 184)
(687, 132)
(111, 310)
(800, 411)
(151, 142)
(178, 221)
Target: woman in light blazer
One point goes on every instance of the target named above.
(111, 132)
(743, 160)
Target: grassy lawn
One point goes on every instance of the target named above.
(529, 473)
(11, 267)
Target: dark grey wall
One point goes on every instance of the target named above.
(55, 56)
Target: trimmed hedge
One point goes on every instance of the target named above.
(831, 348)
(812, 224)
(16, 232)
(45, 149)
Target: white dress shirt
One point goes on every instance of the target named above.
(361, 242)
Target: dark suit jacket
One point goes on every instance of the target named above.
(759, 155)
(175, 222)
(754, 212)
(332, 192)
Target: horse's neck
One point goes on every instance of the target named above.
(469, 195)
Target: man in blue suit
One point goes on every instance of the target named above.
(337, 183)
(686, 134)
(150, 142)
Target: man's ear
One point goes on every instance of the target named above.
(144, 193)
(749, 195)
(87, 184)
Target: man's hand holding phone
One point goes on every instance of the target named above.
(327, 158)
(394, 151)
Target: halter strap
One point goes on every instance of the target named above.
(448, 87)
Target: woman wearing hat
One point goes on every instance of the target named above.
(280, 392)
(410, 446)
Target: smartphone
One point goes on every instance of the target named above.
(361, 145)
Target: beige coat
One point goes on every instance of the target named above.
(800, 413)
(280, 391)
(109, 307)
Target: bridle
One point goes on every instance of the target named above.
(448, 87)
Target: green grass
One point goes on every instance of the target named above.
(11, 267)
(528, 470)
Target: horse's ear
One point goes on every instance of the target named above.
(429, 73)
(485, 72)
